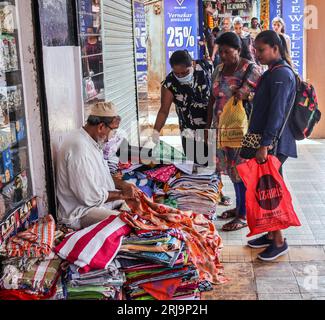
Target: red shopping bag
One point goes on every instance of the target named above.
(268, 201)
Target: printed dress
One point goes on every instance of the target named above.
(223, 88)
(191, 101)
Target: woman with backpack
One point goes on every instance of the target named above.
(273, 100)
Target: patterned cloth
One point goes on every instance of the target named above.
(40, 278)
(191, 101)
(94, 247)
(201, 236)
(162, 174)
(36, 242)
(223, 89)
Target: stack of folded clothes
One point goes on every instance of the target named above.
(157, 266)
(197, 193)
(29, 268)
(105, 284)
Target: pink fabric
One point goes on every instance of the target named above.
(94, 247)
(162, 174)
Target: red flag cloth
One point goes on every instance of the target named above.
(162, 290)
(268, 201)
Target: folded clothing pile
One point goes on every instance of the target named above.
(157, 266)
(29, 268)
(197, 193)
(105, 284)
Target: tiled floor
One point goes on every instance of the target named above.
(299, 275)
(305, 179)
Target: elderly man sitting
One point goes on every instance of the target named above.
(86, 191)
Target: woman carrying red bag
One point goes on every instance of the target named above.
(272, 103)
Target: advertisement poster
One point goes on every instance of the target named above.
(141, 47)
(181, 27)
(293, 14)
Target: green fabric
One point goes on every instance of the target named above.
(164, 152)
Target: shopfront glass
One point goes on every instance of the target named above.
(15, 182)
(92, 50)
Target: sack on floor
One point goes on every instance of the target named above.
(233, 125)
(268, 201)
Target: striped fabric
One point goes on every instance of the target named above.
(94, 247)
(35, 242)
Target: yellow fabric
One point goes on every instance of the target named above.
(233, 125)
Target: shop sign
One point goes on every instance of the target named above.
(293, 14)
(181, 28)
(237, 6)
(140, 44)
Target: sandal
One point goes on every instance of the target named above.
(234, 225)
(225, 201)
(232, 213)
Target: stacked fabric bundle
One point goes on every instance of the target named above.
(156, 264)
(105, 284)
(30, 269)
(90, 252)
(199, 234)
(198, 193)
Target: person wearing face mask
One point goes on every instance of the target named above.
(188, 86)
(87, 193)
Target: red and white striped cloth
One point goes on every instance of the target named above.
(95, 247)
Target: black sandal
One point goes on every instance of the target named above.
(225, 201)
(232, 213)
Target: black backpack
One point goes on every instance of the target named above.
(304, 113)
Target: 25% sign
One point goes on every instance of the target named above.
(180, 37)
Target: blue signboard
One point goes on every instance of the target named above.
(181, 27)
(275, 9)
(140, 43)
(293, 14)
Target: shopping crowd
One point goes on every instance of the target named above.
(145, 231)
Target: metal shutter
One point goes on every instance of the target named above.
(119, 61)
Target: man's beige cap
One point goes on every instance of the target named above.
(103, 109)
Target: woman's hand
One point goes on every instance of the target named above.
(239, 95)
(261, 155)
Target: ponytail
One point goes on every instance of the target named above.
(285, 51)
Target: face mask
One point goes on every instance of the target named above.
(112, 134)
(188, 79)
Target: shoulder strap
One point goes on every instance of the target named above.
(292, 102)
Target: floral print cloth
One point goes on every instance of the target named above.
(162, 174)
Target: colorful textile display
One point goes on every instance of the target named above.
(40, 278)
(198, 193)
(162, 174)
(94, 247)
(35, 242)
(201, 236)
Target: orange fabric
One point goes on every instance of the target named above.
(162, 290)
(201, 236)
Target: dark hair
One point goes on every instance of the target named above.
(216, 29)
(181, 57)
(96, 121)
(254, 18)
(271, 38)
(229, 39)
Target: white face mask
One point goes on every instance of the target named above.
(187, 79)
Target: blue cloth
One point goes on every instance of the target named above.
(273, 99)
(240, 190)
